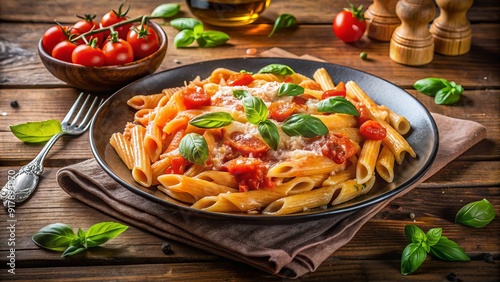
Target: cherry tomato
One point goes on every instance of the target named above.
(240, 79)
(373, 130)
(338, 148)
(113, 17)
(195, 97)
(339, 90)
(117, 52)
(247, 144)
(364, 113)
(88, 55)
(178, 165)
(250, 173)
(144, 41)
(54, 35)
(281, 110)
(86, 24)
(349, 25)
(63, 50)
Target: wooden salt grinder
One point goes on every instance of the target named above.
(411, 42)
(451, 29)
(382, 19)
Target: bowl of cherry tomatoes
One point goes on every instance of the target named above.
(97, 58)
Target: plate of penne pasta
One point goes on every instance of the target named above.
(264, 139)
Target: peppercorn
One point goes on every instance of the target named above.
(14, 104)
(166, 248)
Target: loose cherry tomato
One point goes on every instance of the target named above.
(339, 90)
(195, 97)
(113, 17)
(117, 51)
(144, 41)
(338, 148)
(373, 130)
(54, 35)
(281, 110)
(250, 173)
(88, 55)
(86, 24)
(240, 79)
(349, 25)
(63, 50)
(246, 144)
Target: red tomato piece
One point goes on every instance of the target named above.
(178, 165)
(118, 52)
(338, 148)
(364, 113)
(339, 90)
(349, 25)
(195, 97)
(144, 41)
(88, 55)
(281, 110)
(240, 79)
(63, 51)
(250, 173)
(373, 130)
(54, 35)
(113, 17)
(247, 144)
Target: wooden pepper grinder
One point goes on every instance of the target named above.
(411, 42)
(451, 29)
(382, 19)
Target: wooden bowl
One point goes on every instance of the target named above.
(106, 78)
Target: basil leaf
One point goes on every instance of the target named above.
(277, 69)
(241, 94)
(194, 148)
(74, 248)
(433, 236)
(255, 109)
(212, 38)
(166, 10)
(269, 132)
(337, 104)
(185, 23)
(412, 258)
(414, 234)
(290, 89)
(304, 125)
(56, 237)
(100, 233)
(448, 95)
(448, 250)
(184, 38)
(198, 30)
(476, 214)
(283, 21)
(36, 132)
(430, 86)
(212, 120)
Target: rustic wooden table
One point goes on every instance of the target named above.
(373, 254)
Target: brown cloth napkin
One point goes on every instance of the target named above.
(285, 250)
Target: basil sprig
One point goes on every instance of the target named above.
(443, 91)
(420, 244)
(304, 125)
(36, 132)
(194, 148)
(476, 214)
(278, 69)
(337, 104)
(283, 21)
(212, 120)
(60, 237)
(290, 89)
(192, 29)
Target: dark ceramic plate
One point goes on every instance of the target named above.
(423, 137)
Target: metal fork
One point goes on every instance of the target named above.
(22, 184)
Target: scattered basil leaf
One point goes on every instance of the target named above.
(102, 232)
(185, 23)
(337, 104)
(184, 38)
(443, 91)
(412, 258)
(429, 86)
(212, 120)
(241, 94)
(277, 69)
(55, 237)
(304, 125)
(283, 21)
(255, 109)
(36, 132)
(166, 10)
(448, 250)
(74, 248)
(290, 89)
(448, 95)
(194, 148)
(476, 214)
(212, 38)
(269, 132)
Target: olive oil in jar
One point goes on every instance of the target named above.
(227, 12)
